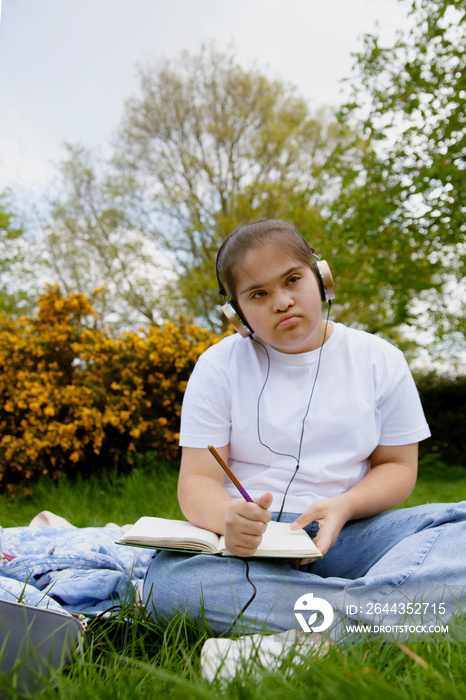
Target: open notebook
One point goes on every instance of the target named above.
(180, 535)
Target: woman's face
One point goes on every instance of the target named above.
(280, 298)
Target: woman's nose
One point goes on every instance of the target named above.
(282, 301)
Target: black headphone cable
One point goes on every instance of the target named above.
(281, 454)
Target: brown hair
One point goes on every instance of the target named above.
(252, 235)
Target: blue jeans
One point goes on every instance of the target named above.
(377, 566)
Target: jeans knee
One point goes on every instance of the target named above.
(171, 585)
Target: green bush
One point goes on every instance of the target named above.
(444, 401)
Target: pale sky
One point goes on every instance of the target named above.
(67, 66)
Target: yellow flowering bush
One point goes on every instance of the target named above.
(74, 398)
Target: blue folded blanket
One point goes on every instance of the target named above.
(80, 569)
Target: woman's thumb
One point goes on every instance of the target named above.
(264, 501)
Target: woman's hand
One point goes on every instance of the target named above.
(245, 523)
(331, 514)
(389, 481)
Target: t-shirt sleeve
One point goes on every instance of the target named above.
(206, 409)
(403, 420)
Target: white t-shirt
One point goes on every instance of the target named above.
(255, 400)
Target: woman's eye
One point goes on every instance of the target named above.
(257, 295)
(294, 279)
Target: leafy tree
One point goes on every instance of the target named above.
(407, 202)
(90, 243)
(15, 297)
(212, 144)
(208, 144)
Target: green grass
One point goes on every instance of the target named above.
(149, 490)
(438, 483)
(131, 656)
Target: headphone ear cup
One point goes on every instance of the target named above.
(236, 319)
(327, 285)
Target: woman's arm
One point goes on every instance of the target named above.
(201, 495)
(205, 502)
(390, 480)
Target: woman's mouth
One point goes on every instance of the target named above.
(287, 320)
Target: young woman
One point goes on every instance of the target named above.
(320, 423)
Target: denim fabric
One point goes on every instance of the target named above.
(411, 554)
